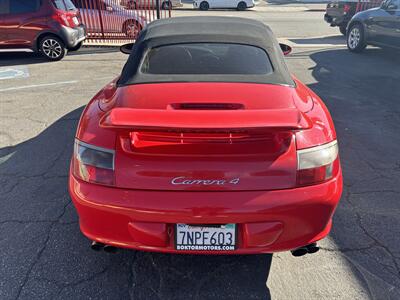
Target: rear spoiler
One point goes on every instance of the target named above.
(205, 120)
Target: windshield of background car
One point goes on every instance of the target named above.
(207, 58)
(64, 4)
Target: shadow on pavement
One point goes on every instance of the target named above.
(47, 257)
(362, 92)
(333, 40)
(13, 59)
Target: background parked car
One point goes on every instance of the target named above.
(164, 4)
(51, 27)
(377, 26)
(339, 12)
(113, 17)
(238, 4)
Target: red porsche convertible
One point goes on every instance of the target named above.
(205, 144)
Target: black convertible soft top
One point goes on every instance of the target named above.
(184, 30)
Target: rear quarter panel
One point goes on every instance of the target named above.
(323, 130)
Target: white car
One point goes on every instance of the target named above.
(238, 4)
(137, 4)
(106, 16)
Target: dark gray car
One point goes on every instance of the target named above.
(378, 26)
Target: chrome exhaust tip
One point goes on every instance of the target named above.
(299, 251)
(310, 249)
(110, 249)
(96, 246)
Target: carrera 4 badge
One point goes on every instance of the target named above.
(186, 181)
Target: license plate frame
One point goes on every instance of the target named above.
(75, 20)
(200, 246)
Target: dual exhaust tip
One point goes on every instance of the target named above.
(96, 246)
(309, 249)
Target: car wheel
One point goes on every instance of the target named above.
(131, 28)
(242, 6)
(355, 38)
(167, 5)
(76, 48)
(204, 5)
(52, 48)
(342, 30)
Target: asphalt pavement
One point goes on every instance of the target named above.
(43, 255)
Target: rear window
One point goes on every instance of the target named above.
(64, 4)
(207, 58)
(4, 7)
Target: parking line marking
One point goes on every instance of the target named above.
(37, 85)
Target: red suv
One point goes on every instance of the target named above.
(51, 27)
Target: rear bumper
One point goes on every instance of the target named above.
(336, 20)
(73, 36)
(268, 221)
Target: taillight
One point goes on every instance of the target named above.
(93, 164)
(317, 164)
(65, 19)
(346, 8)
(60, 18)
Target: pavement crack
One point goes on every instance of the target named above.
(366, 232)
(11, 189)
(88, 279)
(345, 250)
(40, 252)
(37, 258)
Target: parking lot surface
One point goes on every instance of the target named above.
(43, 255)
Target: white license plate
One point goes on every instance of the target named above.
(75, 20)
(205, 238)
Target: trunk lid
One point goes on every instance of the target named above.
(213, 137)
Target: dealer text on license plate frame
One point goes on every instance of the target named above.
(218, 238)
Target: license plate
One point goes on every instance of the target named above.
(75, 20)
(205, 238)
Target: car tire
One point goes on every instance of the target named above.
(76, 48)
(131, 28)
(166, 5)
(204, 5)
(342, 29)
(241, 6)
(52, 48)
(356, 38)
